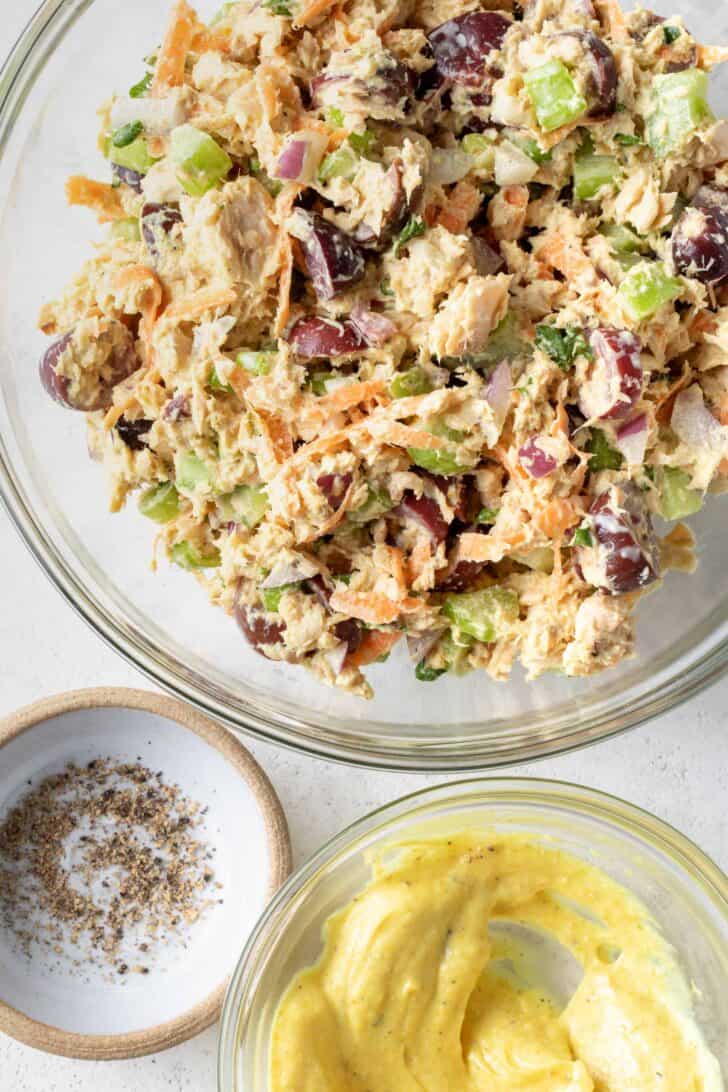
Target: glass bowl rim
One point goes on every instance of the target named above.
(692, 861)
(578, 728)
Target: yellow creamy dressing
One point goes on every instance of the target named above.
(413, 995)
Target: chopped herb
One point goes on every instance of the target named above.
(343, 578)
(277, 7)
(671, 34)
(139, 90)
(385, 288)
(582, 537)
(126, 134)
(621, 108)
(362, 143)
(414, 227)
(428, 674)
(335, 117)
(603, 455)
(562, 345)
(627, 140)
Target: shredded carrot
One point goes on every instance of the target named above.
(375, 643)
(351, 395)
(99, 196)
(170, 67)
(284, 287)
(391, 432)
(188, 308)
(474, 547)
(565, 255)
(722, 409)
(419, 559)
(710, 56)
(312, 11)
(396, 565)
(557, 517)
(154, 293)
(463, 203)
(700, 324)
(278, 434)
(205, 40)
(376, 610)
(611, 14)
(334, 520)
(114, 413)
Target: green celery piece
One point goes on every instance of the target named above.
(646, 288)
(342, 163)
(622, 239)
(603, 455)
(539, 560)
(247, 504)
(319, 380)
(627, 140)
(414, 227)
(139, 90)
(127, 230)
(189, 557)
(428, 674)
(533, 151)
(335, 117)
(487, 515)
(505, 343)
(582, 537)
(413, 381)
(554, 95)
(681, 105)
(592, 173)
(215, 383)
(126, 134)
(200, 161)
(377, 503)
(362, 143)
(271, 597)
(160, 503)
(192, 472)
(456, 652)
(257, 362)
(481, 614)
(437, 462)
(134, 156)
(480, 148)
(562, 344)
(677, 499)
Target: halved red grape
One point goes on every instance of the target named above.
(333, 260)
(351, 632)
(55, 385)
(602, 72)
(614, 380)
(426, 512)
(625, 554)
(313, 337)
(120, 361)
(710, 196)
(461, 45)
(177, 407)
(334, 487)
(259, 628)
(700, 244)
(157, 220)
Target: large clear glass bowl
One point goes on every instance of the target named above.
(685, 892)
(71, 56)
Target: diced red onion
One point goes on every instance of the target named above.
(336, 657)
(426, 512)
(513, 167)
(376, 329)
(422, 644)
(291, 160)
(289, 572)
(537, 462)
(158, 116)
(693, 422)
(334, 487)
(614, 381)
(631, 440)
(487, 259)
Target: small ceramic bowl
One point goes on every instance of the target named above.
(64, 1003)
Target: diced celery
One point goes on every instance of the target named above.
(622, 239)
(342, 163)
(681, 105)
(441, 460)
(192, 472)
(126, 134)
(377, 503)
(540, 559)
(428, 674)
(247, 504)
(582, 536)
(554, 95)
(134, 156)
(646, 288)
(627, 140)
(127, 230)
(677, 499)
(362, 143)
(487, 515)
(188, 556)
(603, 455)
(413, 381)
(160, 503)
(455, 650)
(319, 380)
(215, 383)
(335, 117)
(505, 343)
(200, 161)
(482, 614)
(271, 597)
(592, 173)
(481, 150)
(257, 363)
(533, 151)
(139, 90)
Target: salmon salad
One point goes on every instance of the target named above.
(410, 323)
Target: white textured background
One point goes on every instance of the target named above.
(675, 767)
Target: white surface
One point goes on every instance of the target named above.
(186, 971)
(675, 767)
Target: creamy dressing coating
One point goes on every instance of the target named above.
(413, 994)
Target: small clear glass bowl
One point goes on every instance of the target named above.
(685, 892)
(50, 89)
